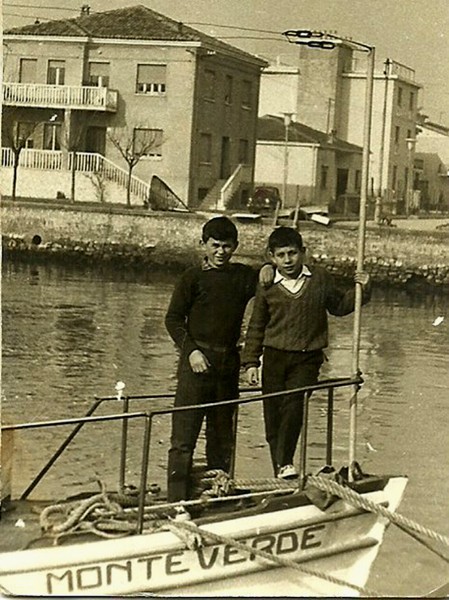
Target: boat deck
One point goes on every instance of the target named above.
(21, 529)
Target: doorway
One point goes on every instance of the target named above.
(225, 170)
(342, 181)
(96, 140)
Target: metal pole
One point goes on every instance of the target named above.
(409, 191)
(330, 425)
(284, 185)
(144, 471)
(379, 199)
(287, 121)
(123, 453)
(59, 451)
(361, 253)
(235, 418)
(303, 455)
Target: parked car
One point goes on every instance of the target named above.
(264, 200)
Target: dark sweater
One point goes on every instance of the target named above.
(296, 322)
(208, 306)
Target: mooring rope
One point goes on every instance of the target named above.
(282, 562)
(359, 501)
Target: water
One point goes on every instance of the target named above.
(69, 335)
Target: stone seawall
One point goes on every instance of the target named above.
(141, 239)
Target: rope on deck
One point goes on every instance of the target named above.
(359, 501)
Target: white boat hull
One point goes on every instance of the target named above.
(341, 542)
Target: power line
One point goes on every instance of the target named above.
(232, 27)
(39, 7)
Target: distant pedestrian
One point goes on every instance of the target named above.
(289, 327)
(204, 319)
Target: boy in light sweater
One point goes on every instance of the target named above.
(289, 327)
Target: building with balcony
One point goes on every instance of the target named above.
(329, 96)
(133, 82)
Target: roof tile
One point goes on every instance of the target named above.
(134, 22)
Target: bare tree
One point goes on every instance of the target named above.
(99, 180)
(17, 135)
(133, 145)
(72, 141)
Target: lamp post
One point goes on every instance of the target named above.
(409, 191)
(287, 122)
(326, 41)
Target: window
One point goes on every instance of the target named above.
(323, 181)
(28, 67)
(397, 133)
(243, 152)
(399, 96)
(147, 142)
(98, 74)
(206, 148)
(411, 104)
(358, 181)
(56, 72)
(209, 84)
(246, 94)
(52, 136)
(151, 79)
(394, 178)
(228, 89)
(25, 133)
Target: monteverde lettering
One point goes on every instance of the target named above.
(166, 568)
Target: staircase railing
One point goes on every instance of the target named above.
(97, 163)
(86, 162)
(242, 174)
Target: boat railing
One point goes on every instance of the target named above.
(148, 416)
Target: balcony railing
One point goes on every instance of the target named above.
(59, 96)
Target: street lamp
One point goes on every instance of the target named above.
(409, 191)
(287, 122)
(326, 41)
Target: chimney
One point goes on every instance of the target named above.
(180, 24)
(85, 10)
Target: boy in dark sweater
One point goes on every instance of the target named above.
(289, 327)
(204, 319)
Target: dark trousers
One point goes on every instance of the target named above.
(283, 415)
(220, 382)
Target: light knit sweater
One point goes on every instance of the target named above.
(296, 322)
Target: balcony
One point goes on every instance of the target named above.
(40, 95)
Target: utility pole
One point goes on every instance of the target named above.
(287, 122)
(379, 198)
(409, 191)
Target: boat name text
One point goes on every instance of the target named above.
(179, 562)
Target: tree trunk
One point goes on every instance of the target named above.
(128, 186)
(14, 173)
(72, 184)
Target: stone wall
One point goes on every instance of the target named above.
(158, 239)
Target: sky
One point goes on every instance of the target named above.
(412, 32)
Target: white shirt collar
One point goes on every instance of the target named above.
(305, 272)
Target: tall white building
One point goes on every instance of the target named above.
(330, 97)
